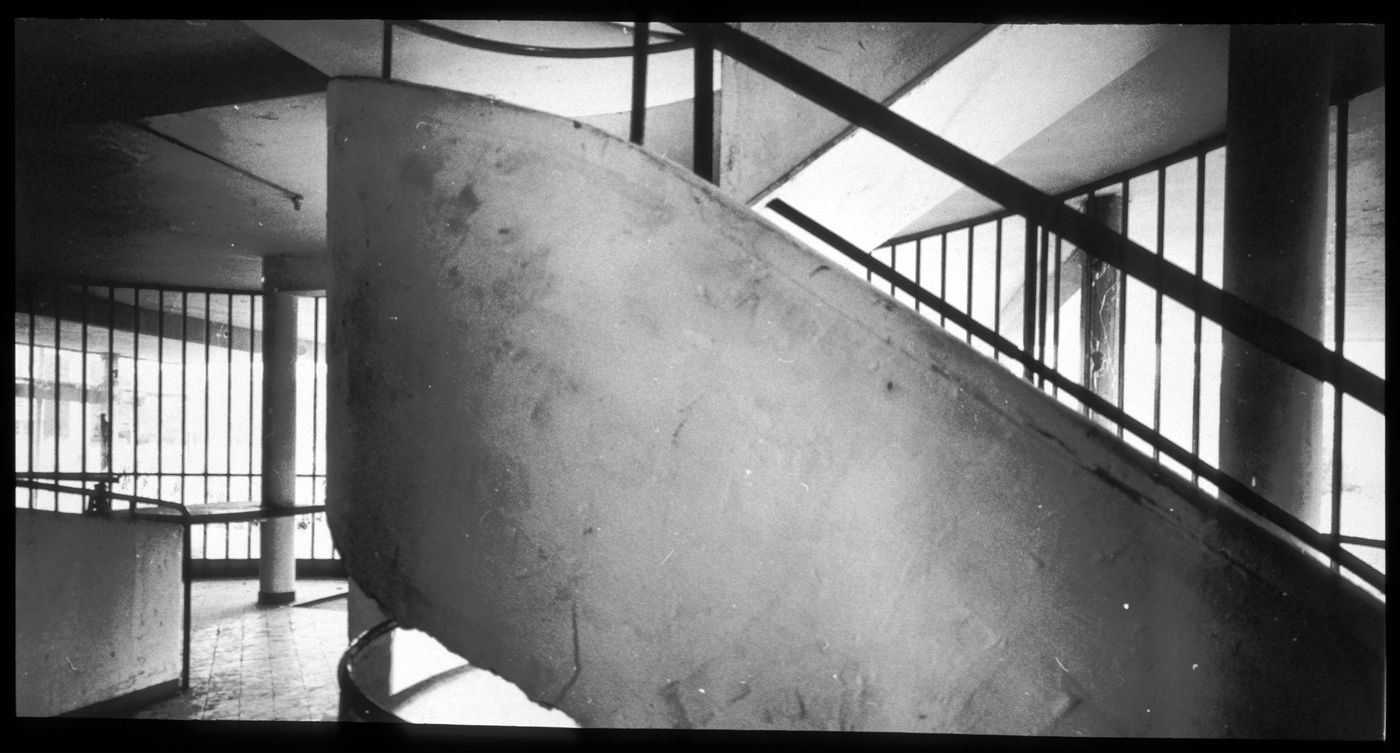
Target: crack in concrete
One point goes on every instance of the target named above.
(578, 664)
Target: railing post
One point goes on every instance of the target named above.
(639, 81)
(1028, 318)
(1339, 313)
(703, 154)
(386, 59)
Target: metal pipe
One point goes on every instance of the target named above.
(942, 274)
(295, 197)
(996, 293)
(639, 82)
(1055, 338)
(33, 388)
(184, 382)
(112, 373)
(918, 268)
(228, 420)
(703, 154)
(57, 383)
(970, 243)
(1157, 319)
(1028, 294)
(160, 395)
(386, 51)
(1043, 297)
(510, 48)
(1196, 329)
(83, 355)
(204, 487)
(1339, 312)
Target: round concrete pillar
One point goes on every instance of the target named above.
(1271, 432)
(277, 566)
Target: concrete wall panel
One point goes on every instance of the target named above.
(98, 609)
(602, 430)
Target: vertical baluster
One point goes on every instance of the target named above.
(1043, 319)
(57, 380)
(1339, 317)
(386, 59)
(704, 107)
(970, 239)
(208, 335)
(33, 388)
(918, 267)
(1028, 290)
(996, 292)
(83, 336)
(1055, 338)
(943, 275)
(1122, 306)
(228, 420)
(160, 396)
(184, 380)
(1196, 325)
(639, 80)
(1157, 316)
(109, 429)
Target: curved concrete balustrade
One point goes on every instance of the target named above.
(604, 431)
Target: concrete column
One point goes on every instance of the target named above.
(277, 570)
(1275, 232)
(1099, 307)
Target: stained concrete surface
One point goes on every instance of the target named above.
(601, 430)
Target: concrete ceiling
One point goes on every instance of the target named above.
(100, 198)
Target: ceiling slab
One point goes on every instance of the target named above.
(85, 71)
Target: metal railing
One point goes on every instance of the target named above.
(161, 388)
(1046, 226)
(640, 50)
(1141, 194)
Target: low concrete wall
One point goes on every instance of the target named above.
(98, 609)
(601, 430)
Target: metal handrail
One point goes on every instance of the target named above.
(1240, 492)
(1235, 315)
(104, 494)
(352, 698)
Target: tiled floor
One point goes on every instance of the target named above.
(261, 663)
